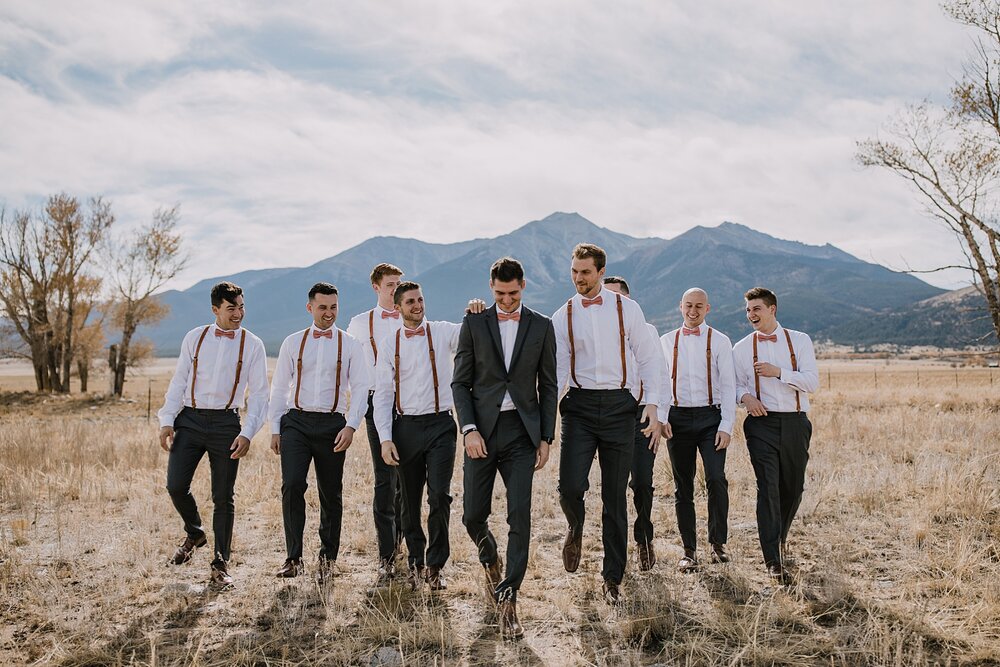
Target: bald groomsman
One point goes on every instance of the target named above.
(413, 375)
(371, 327)
(595, 330)
(775, 372)
(217, 364)
(318, 367)
(698, 414)
(644, 453)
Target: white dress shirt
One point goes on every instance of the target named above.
(380, 328)
(692, 376)
(508, 334)
(217, 361)
(639, 390)
(596, 339)
(319, 377)
(416, 381)
(778, 394)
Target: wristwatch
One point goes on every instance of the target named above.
(469, 429)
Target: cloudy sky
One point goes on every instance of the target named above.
(288, 132)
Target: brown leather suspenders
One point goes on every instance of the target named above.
(434, 372)
(239, 369)
(298, 368)
(795, 367)
(194, 363)
(708, 364)
(572, 343)
(239, 366)
(371, 332)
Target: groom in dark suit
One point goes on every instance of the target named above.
(505, 394)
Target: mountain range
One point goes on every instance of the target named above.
(821, 289)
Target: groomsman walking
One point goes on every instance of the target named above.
(217, 364)
(644, 452)
(311, 422)
(371, 327)
(698, 414)
(505, 394)
(595, 329)
(414, 374)
(775, 373)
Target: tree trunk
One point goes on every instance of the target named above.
(68, 341)
(83, 368)
(127, 331)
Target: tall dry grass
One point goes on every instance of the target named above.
(897, 544)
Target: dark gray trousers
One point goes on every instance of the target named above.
(509, 451)
(197, 432)
(779, 451)
(308, 437)
(601, 422)
(426, 446)
(641, 483)
(694, 431)
(386, 500)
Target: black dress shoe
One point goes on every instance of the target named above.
(647, 556)
(186, 549)
(719, 554)
(291, 568)
(572, 548)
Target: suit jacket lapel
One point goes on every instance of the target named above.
(494, 326)
(522, 333)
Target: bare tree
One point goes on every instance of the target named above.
(140, 265)
(951, 156)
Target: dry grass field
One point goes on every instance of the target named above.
(897, 544)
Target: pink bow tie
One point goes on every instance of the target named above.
(410, 333)
(323, 333)
(773, 338)
(503, 317)
(596, 301)
(222, 333)
(691, 332)
(386, 314)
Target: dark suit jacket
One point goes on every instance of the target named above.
(480, 378)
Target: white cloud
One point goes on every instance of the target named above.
(447, 121)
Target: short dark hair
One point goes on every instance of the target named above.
(322, 288)
(762, 293)
(617, 280)
(403, 288)
(585, 250)
(382, 270)
(225, 291)
(507, 269)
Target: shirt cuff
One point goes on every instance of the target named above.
(468, 427)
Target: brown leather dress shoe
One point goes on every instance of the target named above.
(689, 563)
(220, 574)
(719, 554)
(494, 575)
(612, 593)
(386, 572)
(510, 627)
(435, 580)
(572, 549)
(777, 573)
(415, 577)
(647, 556)
(291, 568)
(326, 570)
(186, 549)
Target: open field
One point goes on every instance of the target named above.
(897, 541)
